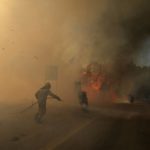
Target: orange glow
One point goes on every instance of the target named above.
(95, 82)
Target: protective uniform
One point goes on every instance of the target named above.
(41, 96)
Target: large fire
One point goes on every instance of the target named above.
(95, 81)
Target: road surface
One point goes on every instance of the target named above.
(67, 127)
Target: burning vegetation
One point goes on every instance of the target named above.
(97, 79)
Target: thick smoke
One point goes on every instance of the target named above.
(69, 34)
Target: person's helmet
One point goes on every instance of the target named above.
(47, 85)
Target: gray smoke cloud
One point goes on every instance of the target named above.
(69, 34)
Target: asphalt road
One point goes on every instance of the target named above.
(113, 130)
(67, 127)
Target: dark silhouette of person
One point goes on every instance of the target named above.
(83, 99)
(41, 96)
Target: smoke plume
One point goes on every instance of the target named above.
(69, 34)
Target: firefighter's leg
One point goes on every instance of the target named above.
(38, 115)
(42, 111)
(85, 106)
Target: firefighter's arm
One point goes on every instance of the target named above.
(55, 96)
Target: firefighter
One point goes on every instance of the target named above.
(83, 99)
(131, 99)
(41, 96)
